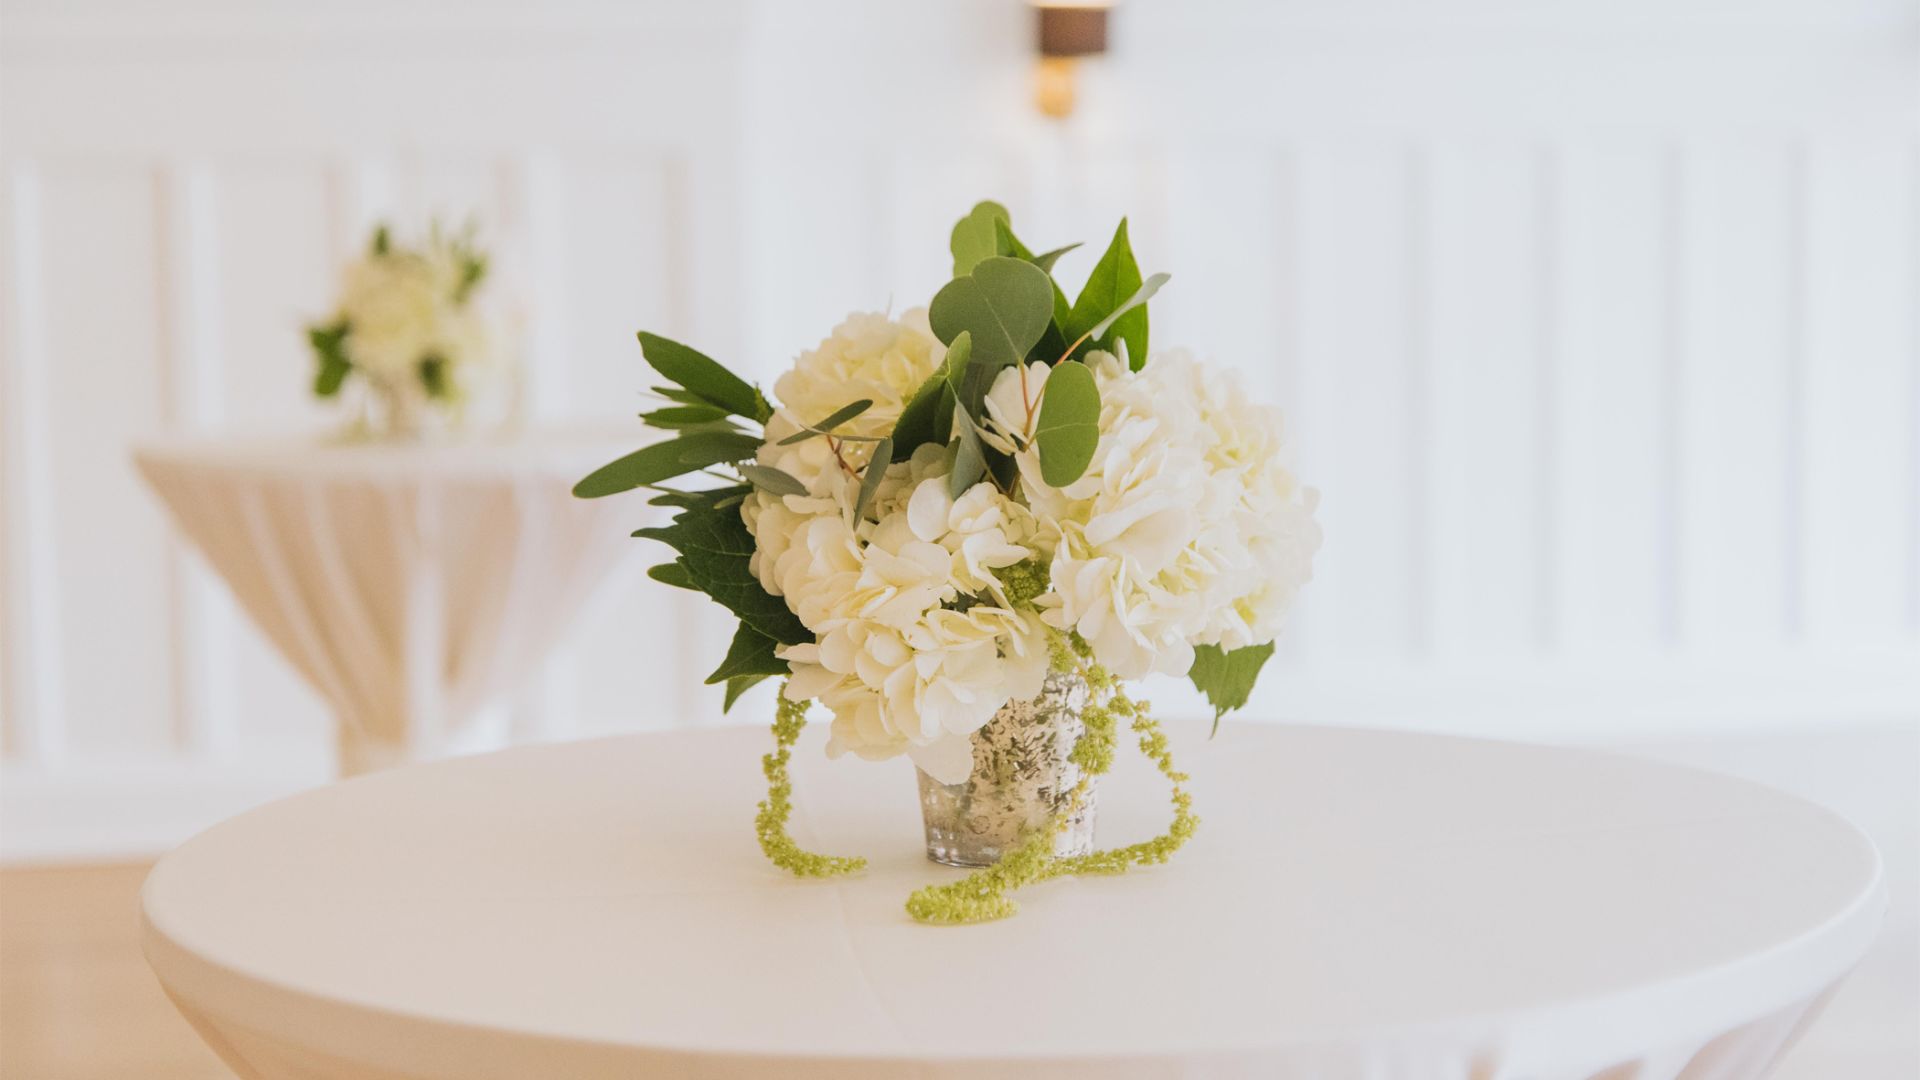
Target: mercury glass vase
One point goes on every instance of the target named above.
(1022, 779)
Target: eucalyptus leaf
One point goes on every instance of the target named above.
(665, 460)
(1006, 305)
(1115, 278)
(704, 376)
(1051, 344)
(838, 417)
(973, 236)
(870, 480)
(1140, 296)
(970, 461)
(1227, 678)
(773, 481)
(1068, 429)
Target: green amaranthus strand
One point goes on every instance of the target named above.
(982, 896)
(771, 823)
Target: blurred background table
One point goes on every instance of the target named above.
(1357, 905)
(410, 584)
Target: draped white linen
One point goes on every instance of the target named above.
(1356, 906)
(411, 585)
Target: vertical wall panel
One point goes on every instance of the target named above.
(32, 708)
(201, 642)
(1231, 236)
(104, 378)
(1483, 258)
(1611, 494)
(924, 204)
(823, 249)
(616, 251)
(1861, 286)
(1361, 289)
(1739, 355)
(276, 274)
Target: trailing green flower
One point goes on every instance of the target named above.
(982, 895)
(771, 823)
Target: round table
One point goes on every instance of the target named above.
(1356, 905)
(410, 584)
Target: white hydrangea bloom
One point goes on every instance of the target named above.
(1184, 530)
(921, 690)
(1164, 544)
(404, 306)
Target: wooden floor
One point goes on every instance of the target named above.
(76, 999)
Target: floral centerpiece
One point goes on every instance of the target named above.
(411, 333)
(962, 530)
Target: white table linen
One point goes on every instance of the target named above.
(1356, 906)
(410, 585)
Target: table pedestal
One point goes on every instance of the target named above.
(411, 586)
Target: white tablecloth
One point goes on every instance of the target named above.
(411, 585)
(1356, 906)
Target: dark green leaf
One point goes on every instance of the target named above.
(665, 460)
(750, 654)
(473, 270)
(688, 397)
(1045, 260)
(740, 685)
(382, 240)
(706, 497)
(1006, 305)
(684, 416)
(1115, 278)
(772, 480)
(715, 547)
(1227, 677)
(433, 376)
(704, 376)
(970, 462)
(329, 348)
(973, 236)
(1068, 429)
(927, 417)
(703, 448)
(673, 574)
(870, 480)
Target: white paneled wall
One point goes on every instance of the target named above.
(1598, 325)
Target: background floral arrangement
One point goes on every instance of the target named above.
(410, 327)
(947, 505)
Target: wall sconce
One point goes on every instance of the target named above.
(1069, 30)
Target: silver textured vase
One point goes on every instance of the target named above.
(1021, 779)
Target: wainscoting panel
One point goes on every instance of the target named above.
(1598, 330)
